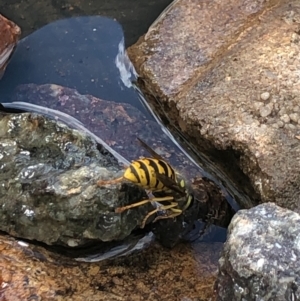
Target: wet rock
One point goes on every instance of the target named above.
(48, 189)
(9, 36)
(210, 65)
(260, 257)
(29, 272)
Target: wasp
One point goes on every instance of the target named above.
(157, 176)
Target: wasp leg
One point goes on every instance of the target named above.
(121, 209)
(175, 212)
(102, 182)
(156, 210)
(188, 203)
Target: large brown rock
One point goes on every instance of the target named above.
(9, 36)
(228, 73)
(29, 272)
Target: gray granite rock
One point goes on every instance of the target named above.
(260, 260)
(48, 185)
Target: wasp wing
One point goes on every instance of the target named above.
(152, 152)
(170, 183)
(167, 181)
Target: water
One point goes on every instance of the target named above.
(80, 53)
(72, 55)
(88, 54)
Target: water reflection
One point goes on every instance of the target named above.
(77, 71)
(78, 53)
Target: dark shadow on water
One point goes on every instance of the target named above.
(135, 16)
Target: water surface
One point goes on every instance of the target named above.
(87, 54)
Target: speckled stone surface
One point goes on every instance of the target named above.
(260, 258)
(189, 36)
(29, 272)
(228, 74)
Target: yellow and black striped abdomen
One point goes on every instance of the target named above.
(143, 172)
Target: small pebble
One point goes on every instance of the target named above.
(72, 243)
(280, 124)
(265, 96)
(296, 109)
(282, 111)
(266, 110)
(294, 117)
(295, 38)
(285, 118)
(257, 105)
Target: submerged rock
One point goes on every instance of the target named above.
(227, 73)
(117, 124)
(9, 36)
(260, 260)
(48, 189)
